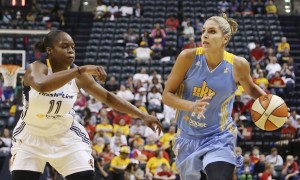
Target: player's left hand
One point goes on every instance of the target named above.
(153, 123)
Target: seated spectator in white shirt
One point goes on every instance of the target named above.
(154, 99)
(142, 75)
(273, 67)
(125, 93)
(113, 11)
(274, 158)
(126, 10)
(141, 95)
(138, 128)
(189, 30)
(143, 52)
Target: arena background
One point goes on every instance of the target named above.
(104, 40)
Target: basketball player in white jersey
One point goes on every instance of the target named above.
(46, 131)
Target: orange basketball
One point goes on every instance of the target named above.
(269, 112)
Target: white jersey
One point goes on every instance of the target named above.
(49, 113)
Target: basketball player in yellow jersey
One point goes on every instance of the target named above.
(47, 131)
(201, 87)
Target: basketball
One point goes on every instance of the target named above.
(269, 112)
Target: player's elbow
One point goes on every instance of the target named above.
(40, 87)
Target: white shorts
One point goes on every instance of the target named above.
(68, 153)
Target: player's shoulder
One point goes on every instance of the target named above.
(240, 61)
(188, 54)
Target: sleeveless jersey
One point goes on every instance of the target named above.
(49, 113)
(199, 82)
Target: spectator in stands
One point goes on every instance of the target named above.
(6, 17)
(271, 7)
(157, 76)
(155, 83)
(262, 80)
(127, 9)
(125, 93)
(259, 166)
(101, 133)
(133, 171)
(100, 10)
(5, 142)
(131, 38)
(143, 52)
(116, 145)
(282, 46)
(172, 23)
(106, 127)
(142, 76)
(129, 84)
(164, 173)
(141, 95)
(267, 40)
(138, 9)
(188, 31)
(274, 158)
(168, 137)
(267, 174)
(120, 131)
(158, 42)
(288, 77)
(158, 32)
(284, 58)
(94, 107)
(154, 99)
(268, 58)
(99, 146)
(30, 17)
(119, 164)
(234, 7)
(140, 154)
(113, 11)
(273, 67)
(290, 170)
(246, 7)
(192, 44)
(80, 102)
(257, 54)
(100, 171)
(122, 127)
(117, 116)
(223, 6)
(277, 85)
(112, 85)
(146, 37)
(102, 114)
(294, 119)
(288, 131)
(90, 129)
(257, 70)
(107, 154)
(259, 7)
(169, 115)
(137, 128)
(292, 66)
(150, 145)
(154, 163)
(255, 155)
(246, 170)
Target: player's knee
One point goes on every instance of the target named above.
(86, 175)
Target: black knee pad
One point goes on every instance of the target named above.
(83, 175)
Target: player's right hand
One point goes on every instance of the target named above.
(199, 106)
(97, 71)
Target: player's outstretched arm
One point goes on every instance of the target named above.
(87, 83)
(37, 76)
(175, 79)
(242, 75)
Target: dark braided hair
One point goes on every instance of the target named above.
(47, 41)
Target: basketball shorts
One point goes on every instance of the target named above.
(68, 153)
(194, 154)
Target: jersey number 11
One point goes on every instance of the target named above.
(52, 102)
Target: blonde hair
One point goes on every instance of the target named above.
(227, 25)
